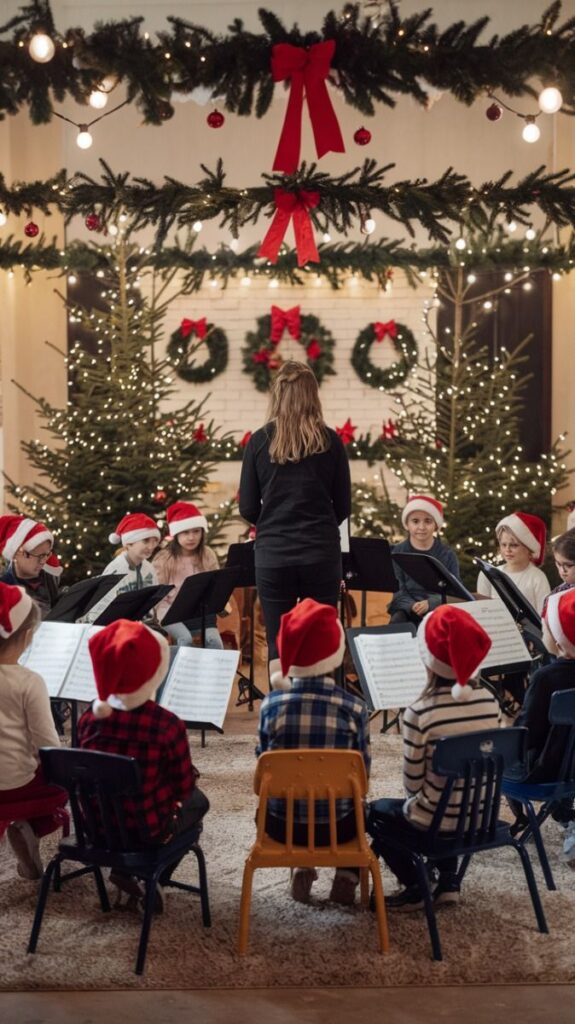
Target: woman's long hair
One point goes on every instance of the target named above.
(296, 413)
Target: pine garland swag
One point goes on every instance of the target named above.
(180, 350)
(387, 378)
(261, 356)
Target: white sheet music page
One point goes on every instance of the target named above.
(50, 654)
(393, 669)
(507, 646)
(199, 684)
(80, 683)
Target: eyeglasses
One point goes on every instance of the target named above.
(37, 558)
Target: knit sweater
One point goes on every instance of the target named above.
(176, 570)
(120, 564)
(26, 724)
(531, 582)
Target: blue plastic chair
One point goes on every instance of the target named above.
(97, 784)
(548, 794)
(475, 762)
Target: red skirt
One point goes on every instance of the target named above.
(39, 803)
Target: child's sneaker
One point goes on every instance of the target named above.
(26, 846)
(343, 887)
(301, 882)
(446, 892)
(567, 855)
(406, 900)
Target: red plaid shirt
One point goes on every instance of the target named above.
(158, 741)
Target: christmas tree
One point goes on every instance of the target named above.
(119, 445)
(458, 434)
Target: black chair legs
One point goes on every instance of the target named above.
(423, 882)
(204, 897)
(102, 891)
(533, 890)
(41, 904)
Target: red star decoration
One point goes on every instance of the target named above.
(346, 432)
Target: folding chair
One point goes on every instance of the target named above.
(472, 764)
(312, 775)
(548, 794)
(97, 784)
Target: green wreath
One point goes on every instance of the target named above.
(261, 356)
(180, 349)
(404, 344)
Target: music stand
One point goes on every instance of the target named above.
(368, 568)
(242, 557)
(133, 604)
(515, 602)
(76, 600)
(351, 634)
(204, 593)
(432, 575)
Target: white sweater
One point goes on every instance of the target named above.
(531, 582)
(26, 724)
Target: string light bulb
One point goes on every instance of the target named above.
(84, 139)
(197, 226)
(98, 99)
(550, 100)
(460, 244)
(531, 131)
(41, 48)
(3, 218)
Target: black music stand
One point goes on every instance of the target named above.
(431, 574)
(133, 604)
(76, 600)
(242, 557)
(368, 567)
(513, 599)
(391, 627)
(204, 593)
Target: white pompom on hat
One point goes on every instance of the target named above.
(529, 530)
(310, 641)
(20, 532)
(560, 617)
(130, 660)
(182, 515)
(423, 503)
(133, 527)
(453, 645)
(15, 606)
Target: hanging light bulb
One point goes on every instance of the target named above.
(84, 139)
(326, 237)
(107, 83)
(197, 226)
(460, 243)
(531, 132)
(511, 226)
(41, 48)
(3, 218)
(530, 234)
(98, 99)
(550, 100)
(235, 244)
(368, 226)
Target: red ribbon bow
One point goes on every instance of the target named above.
(282, 318)
(389, 328)
(389, 430)
(198, 327)
(307, 69)
(313, 351)
(263, 355)
(347, 431)
(288, 205)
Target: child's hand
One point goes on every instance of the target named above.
(420, 608)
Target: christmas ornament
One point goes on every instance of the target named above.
(313, 351)
(404, 344)
(215, 119)
(260, 353)
(159, 497)
(31, 229)
(199, 434)
(362, 136)
(290, 205)
(494, 112)
(347, 431)
(93, 222)
(182, 346)
(164, 110)
(282, 319)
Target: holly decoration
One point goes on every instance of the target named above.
(215, 119)
(183, 345)
(261, 356)
(31, 229)
(494, 112)
(404, 343)
(362, 136)
(93, 222)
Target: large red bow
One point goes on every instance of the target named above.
(307, 69)
(198, 327)
(282, 319)
(389, 328)
(288, 205)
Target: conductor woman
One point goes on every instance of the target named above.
(295, 488)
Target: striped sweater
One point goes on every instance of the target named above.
(429, 719)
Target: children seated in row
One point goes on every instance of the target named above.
(29, 808)
(521, 538)
(422, 518)
(27, 547)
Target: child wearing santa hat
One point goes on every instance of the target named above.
(185, 555)
(29, 808)
(27, 548)
(422, 518)
(521, 538)
(311, 711)
(130, 661)
(139, 536)
(452, 646)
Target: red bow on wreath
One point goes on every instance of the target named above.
(282, 319)
(198, 327)
(307, 69)
(347, 431)
(389, 328)
(389, 430)
(288, 205)
(313, 351)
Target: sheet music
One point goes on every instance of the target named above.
(199, 684)
(53, 647)
(393, 670)
(507, 647)
(80, 683)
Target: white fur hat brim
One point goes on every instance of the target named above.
(18, 539)
(320, 668)
(554, 624)
(521, 531)
(191, 523)
(18, 613)
(133, 536)
(421, 505)
(131, 701)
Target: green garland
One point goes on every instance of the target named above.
(180, 349)
(388, 378)
(376, 59)
(361, 448)
(261, 356)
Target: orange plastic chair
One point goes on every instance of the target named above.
(312, 775)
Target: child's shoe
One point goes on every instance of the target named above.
(26, 846)
(344, 887)
(301, 882)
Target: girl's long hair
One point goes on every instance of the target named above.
(174, 551)
(296, 413)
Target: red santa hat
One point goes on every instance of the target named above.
(182, 515)
(130, 660)
(423, 503)
(53, 566)
(310, 641)
(453, 645)
(133, 527)
(15, 605)
(529, 530)
(19, 531)
(560, 617)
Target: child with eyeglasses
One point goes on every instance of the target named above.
(563, 548)
(27, 547)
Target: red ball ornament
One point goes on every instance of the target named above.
(31, 229)
(215, 119)
(93, 222)
(362, 136)
(493, 112)
(159, 497)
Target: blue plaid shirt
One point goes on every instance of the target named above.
(314, 713)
